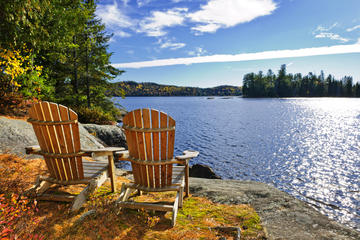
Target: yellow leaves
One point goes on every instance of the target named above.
(17, 84)
(38, 68)
(14, 64)
(11, 64)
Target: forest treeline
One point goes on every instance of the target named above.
(132, 88)
(58, 51)
(297, 85)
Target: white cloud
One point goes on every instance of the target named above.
(223, 14)
(213, 15)
(353, 28)
(172, 46)
(141, 3)
(166, 43)
(113, 17)
(303, 52)
(331, 36)
(199, 51)
(324, 32)
(210, 28)
(289, 64)
(122, 34)
(321, 28)
(125, 2)
(154, 25)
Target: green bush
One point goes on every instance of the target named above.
(94, 115)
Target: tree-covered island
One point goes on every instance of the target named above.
(297, 85)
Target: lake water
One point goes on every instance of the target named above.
(309, 148)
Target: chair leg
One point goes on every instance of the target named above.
(175, 209)
(187, 191)
(112, 172)
(127, 194)
(122, 192)
(44, 185)
(181, 197)
(38, 188)
(83, 196)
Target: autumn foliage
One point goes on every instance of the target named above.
(18, 214)
(20, 80)
(14, 210)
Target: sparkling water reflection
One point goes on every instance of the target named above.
(306, 147)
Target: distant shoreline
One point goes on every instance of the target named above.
(215, 96)
(130, 88)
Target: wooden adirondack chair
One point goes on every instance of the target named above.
(56, 128)
(150, 136)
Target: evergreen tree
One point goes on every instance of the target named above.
(270, 81)
(282, 83)
(93, 64)
(357, 90)
(348, 82)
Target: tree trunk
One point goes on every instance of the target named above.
(87, 78)
(75, 82)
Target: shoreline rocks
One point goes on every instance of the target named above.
(202, 171)
(282, 215)
(110, 135)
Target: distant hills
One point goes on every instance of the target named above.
(132, 88)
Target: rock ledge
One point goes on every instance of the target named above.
(282, 216)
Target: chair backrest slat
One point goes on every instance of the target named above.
(76, 141)
(131, 142)
(163, 147)
(171, 141)
(149, 146)
(155, 141)
(64, 116)
(140, 146)
(59, 138)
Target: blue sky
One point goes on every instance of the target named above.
(206, 43)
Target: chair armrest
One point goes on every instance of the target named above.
(185, 158)
(87, 152)
(187, 155)
(35, 149)
(122, 155)
(102, 151)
